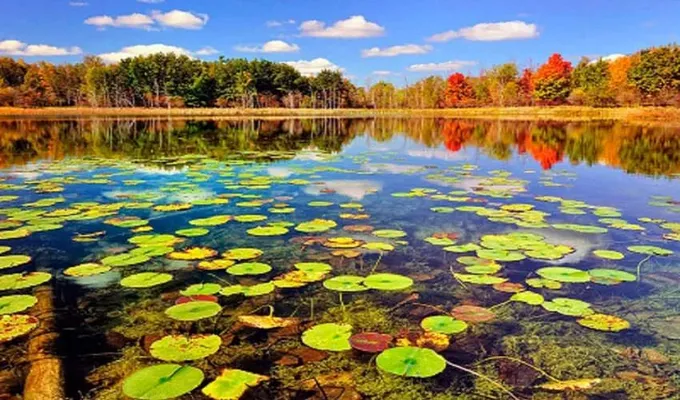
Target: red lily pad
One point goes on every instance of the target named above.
(198, 297)
(370, 342)
(472, 314)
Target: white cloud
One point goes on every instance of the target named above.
(206, 51)
(78, 4)
(143, 50)
(441, 67)
(17, 48)
(382, 73)
(171, 19)
(313, 67)
(273, 46)
(492, 31)
(181, 19)
(396, 50)
(276, 24)
(353, 27)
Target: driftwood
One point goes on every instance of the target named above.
(45, 380)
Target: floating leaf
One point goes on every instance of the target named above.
(574, 384)
(193, 253)
(215, 265)
(472, 313)
(172, 207)
(316, 226)
(480, 279)
(378, 246)
(87, 269)
(607, 276)
(342, 243)
(23, 280)
(320, 203)
(13, 261)
(347, 253)
(540, 283)
(192, 232)
(201, 288)
(389, 233)
(564, 274)
(241, 254)
(163, 381)
(267, 231)
(16, 325)
(650, 250)
(211, 221)
(185, 348)
(193, 310)
(608, 254)
(267, 321)
(329, 337)
(14, 234)
(4, 249)
(528, 297)
(443, 324)
(370, 342)
(440, 241)
(413, 362)
(313, 267)
(151, 251)
(602, 322)
(250, 268)
(249, 218)
(145, 280)
(345, 283)
(232, 384)
(155, 240)
(16, 303)
(388, 282)
(570, 307)
(463, 248)
(500, 255)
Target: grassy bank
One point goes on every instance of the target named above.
(564, 113)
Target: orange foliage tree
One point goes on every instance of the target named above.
(552, 80)
(459, 92)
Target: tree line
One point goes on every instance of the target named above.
(648, 77)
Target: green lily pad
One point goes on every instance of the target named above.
(607, 276)
(16, 303)
(154, 240)
(528, 297)
(320, 203)
(14, 234)
(378, 246)
(124, 260)
(163, 381)
(192, 232)
(389, 233)
(193, 310)
(185, 348)
(249, 218)
(316, 226)
(570, 307)
(16, 325)
(87, 269)
(388, 282)
(145, 280)
(603, 322)
(413, 362)
(608, 254)
(13, 261)
(463, 248)
(329, 337)
(345, 283)
(650, 250)
(443, 324)
(250, 268)
(313, 267)
(440, 241)
(23, 281)
(480, 279)
(201, 288)
(4, 249)
(241, 254)
(211, 221)
(151, 251)
(564, 274)
(540, 283)
(267, 231)
(500, 255)
(580, 228)
(232, 384)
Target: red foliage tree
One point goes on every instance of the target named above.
(459, 92)
(526, 86)
(552, 81)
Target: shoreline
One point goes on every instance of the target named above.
(644, 115)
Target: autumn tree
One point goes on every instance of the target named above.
(656, 74)
(503, 86)
(591, 83)
(459, 93)
(552, 80)
(526, 87)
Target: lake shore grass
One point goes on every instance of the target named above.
(651, 115)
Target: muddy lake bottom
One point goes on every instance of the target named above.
(411, 258)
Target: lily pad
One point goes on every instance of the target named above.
(193, 311)
(580, 228)
(540, 283)
(250, 268)
(388, 282)
(564, 274)
(528, 297)
(650, 250)
(232, 384)
(472, 313)
(389, 233)
(23, 281)
(211, 221)
(413, 362)
(87, 269)
(192, 232)
(241, 254)
(155, 240)
(16, 303)
(16, 325)
(480, 279)
(500, 255)
(267, 231)
(163, 381)
(185, 348)
(329, 337)
(573, 384)
(193, 253)
(345, 283)
(463, 248)
(13, 261)
(604, 275)
(145, 279)
(609, 254)
(313, 267)
(370, 342)
(378, 246)
(316, 226)
(443, 324)
(215, 265)
(249, 218)
(570, 307)
(267, 321)
(201, 288)
(602, 322)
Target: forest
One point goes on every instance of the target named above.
(647, 77)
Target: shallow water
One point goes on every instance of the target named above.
(80, 191)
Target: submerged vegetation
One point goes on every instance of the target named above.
(388, 274)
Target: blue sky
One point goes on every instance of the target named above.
(368, 39)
